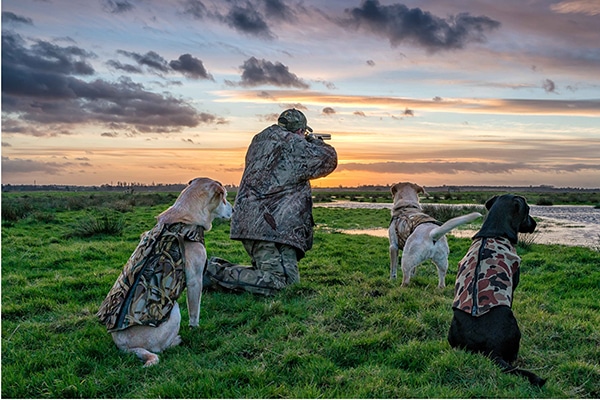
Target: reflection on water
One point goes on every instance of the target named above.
(379, 232)
(567, 225)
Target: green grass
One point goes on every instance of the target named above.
(345, 331)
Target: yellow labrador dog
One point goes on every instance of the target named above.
(419, 236)
(141, 309)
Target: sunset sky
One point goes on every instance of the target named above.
(457, 92)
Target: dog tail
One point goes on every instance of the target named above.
(509, 369)
(440, 231)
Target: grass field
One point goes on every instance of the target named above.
(346, 331)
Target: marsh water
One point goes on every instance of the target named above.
(567, 225)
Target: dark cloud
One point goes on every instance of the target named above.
(40, 84)
(549, 86)
(131, 69)
(262, 72)
(247, 17)
(44, 57)
(190, 67)
(249, 21)
(279, 10)
(117, 6)
(328, 111)
(151, 60)
(18, 165)
(399, 24)
(12, 18)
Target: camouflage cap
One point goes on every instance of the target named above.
(292, 120)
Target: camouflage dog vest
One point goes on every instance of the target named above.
(484, 278)
(152, 280)
(406, 219)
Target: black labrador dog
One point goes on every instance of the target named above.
(487, 276)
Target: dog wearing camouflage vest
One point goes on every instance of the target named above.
(141, 310)
(419, 236)
(487, 277)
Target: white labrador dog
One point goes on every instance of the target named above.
(141, 310)
(419, 236)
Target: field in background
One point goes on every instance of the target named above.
(346, 331)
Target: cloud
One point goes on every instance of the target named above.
(453, 168)
(117, 6)
(243, 16)
(249, 21)
(190, 67)
(42, 84)
(585, 107)
(549, 86)
(328, 111)
(151, 60)
(131, 69)
(399, 24)
(186, 64)
(20, 166)
(327, 84)
(12, 18)
(262, 72)
(589, 7)
(195, 8)
(277, 9)
(44, 57)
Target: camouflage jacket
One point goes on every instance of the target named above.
(405, 219)
(274, 201)
(485, 276)
(152, 280)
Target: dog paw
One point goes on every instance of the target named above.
(151, 360)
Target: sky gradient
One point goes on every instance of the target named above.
(458, 92)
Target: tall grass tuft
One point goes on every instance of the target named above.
(526, 240)
(107, 223)
(14, 210)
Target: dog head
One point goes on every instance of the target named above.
(198, 204)
(407, 193)
(507, 216)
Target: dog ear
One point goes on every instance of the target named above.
(394, 189)
(490, 202)
(219, 191)
(418, 188)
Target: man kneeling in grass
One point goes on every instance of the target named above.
(273, 207)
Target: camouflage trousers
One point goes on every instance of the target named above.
(274, 266)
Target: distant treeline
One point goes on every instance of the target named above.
(177, 187)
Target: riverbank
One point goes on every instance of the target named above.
(566, 225)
